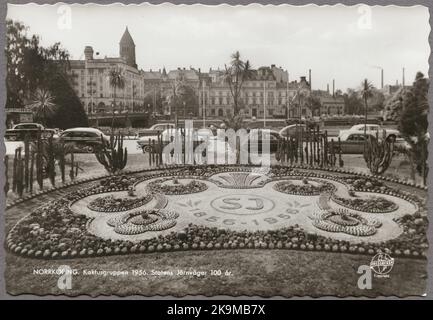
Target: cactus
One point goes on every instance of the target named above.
(39, 162)
(112, 155)
(378, 154)
(62, 162)
(32, 164)
(71, 171)
(6, 162)
(19, 173)
(26, 161)
(51, 161)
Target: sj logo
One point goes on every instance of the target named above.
(234, 203)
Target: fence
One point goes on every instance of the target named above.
(308, 146)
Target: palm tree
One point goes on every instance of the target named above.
(235, 74)
(116, 80)
(43, 105)
(366, 93)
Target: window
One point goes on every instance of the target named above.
(355, 137)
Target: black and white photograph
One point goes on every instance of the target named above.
(216, 150)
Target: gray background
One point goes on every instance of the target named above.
(3, 8)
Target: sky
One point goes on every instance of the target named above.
(345, 43)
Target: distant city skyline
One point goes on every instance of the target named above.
(335, 42)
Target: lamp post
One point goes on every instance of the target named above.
(264, 104)
(204, 105)
(184, 109)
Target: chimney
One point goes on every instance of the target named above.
(199, 70)
(88, 53)
(381, 78)
(327, 87)
(333, 87)
(403, 78)
(309, 78)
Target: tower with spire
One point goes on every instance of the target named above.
(127, 48)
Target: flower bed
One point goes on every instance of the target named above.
(122, 182)
(143, 221)
(345, 221)
(53, 231)
(371, 204)
(112, 204)
(177, 187)
(305, 189)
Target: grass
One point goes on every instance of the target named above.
(254, 273)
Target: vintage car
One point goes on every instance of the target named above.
(84, 139)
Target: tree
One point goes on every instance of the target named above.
(31, 67)
(414, 123)
(393, 106)
(366, 93)
(182, 98)
(235, 75)
(42, 105)
(352, 102)
(116, 81)
(69, 112)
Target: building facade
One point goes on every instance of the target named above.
(90, 80)
(266, 93)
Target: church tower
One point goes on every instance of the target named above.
(127, 49)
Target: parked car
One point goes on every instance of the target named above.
(274, 139)
(84, 139)
(293, 131)
(28, 126)
(374, 129)
(352, 142)
(152, 133)
(30, 129)
(162, 126)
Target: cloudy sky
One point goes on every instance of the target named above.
(340, 42)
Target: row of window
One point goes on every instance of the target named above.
(253, 112)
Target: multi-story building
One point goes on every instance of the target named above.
(331, 105)
(266, 93)
(90, 79)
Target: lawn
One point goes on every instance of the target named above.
(254, 273)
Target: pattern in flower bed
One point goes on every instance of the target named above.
(139, 222)
(54, 231)
(305, 189)
(371, 204)
(177, 187)
(343, 220)
(111, 204)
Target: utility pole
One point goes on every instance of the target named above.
(264, 104)
(287, 99)
(204, 104)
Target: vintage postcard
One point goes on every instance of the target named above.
(216, 150)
